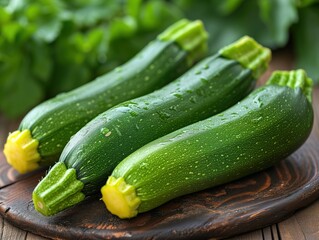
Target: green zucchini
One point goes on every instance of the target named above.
(265, 127)
(47, 128)
(213, 85)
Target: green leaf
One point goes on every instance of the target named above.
(48, 31)
(156, 14)
(15, 5)
(68, 77)
(222, 29)
(85, 15)
(267, 21)
(133, 7)
(4, 16)
(45, 15)
(122, 27)
(4, 2)
(20, 100)
(306, 38)
(278, 15)
(41, 61)
(93, 39)
(305, 3)
(124, 48)
(229, 6)
(18, 89)
(65, 44)
(10, 31)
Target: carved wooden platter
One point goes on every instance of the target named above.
(240, 206)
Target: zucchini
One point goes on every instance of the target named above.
(213, 85)
(265, 127)
(47, 128)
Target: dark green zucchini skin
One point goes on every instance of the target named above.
(53, 122)
(210, 87)
(265, 127)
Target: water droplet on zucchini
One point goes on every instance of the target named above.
(133, 114)
(192, 99)
(204, 80)
(180, 96)
(104, 130)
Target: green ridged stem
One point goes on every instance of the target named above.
(293, 79)
(60, 189)
(249, 54)
(191, 36)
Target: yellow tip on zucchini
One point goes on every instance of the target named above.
(120, 198)
(21, 151)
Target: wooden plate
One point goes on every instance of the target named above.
(244, 205)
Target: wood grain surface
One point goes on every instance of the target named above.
(257, 201)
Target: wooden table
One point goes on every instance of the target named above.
(303, 224)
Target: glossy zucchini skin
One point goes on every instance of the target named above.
(210, 87)
(53, 122)
(265, 127)
(44, 131)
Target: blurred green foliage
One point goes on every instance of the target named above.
(273, 23)
(52, 46)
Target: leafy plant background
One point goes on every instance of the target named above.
(52, 46)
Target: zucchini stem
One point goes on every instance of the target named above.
(293, 79)
(21, 151)
(249, 54)
(191, 36)
(59, 190)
